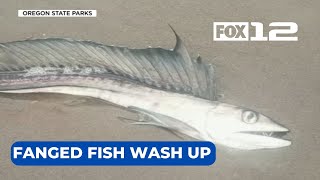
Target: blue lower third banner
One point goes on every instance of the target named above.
(113, 153)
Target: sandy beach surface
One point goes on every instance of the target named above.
(279, 79)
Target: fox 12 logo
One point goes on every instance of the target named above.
(239, 31)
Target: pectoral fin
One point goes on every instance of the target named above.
(174, 125)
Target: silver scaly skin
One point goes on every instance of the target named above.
(166, 87)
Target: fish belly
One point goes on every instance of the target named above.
(122, 93)
(183, 107)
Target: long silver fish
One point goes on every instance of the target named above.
(166, 87)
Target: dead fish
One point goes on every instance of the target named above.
(166, 87)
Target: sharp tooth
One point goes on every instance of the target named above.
(265, 133)
(269, 134)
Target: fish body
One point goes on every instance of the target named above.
(166, 87)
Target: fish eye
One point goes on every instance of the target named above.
(249, 117)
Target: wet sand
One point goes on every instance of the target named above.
(280, 79)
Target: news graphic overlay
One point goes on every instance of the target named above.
(113, 153)
(57, 13)
(254, 31)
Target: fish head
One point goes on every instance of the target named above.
(243, 128)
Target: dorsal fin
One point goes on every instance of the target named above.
(170, 70)
(181, 50)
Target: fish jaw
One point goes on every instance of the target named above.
(248, 141)
(228, 125)
(263, 138)
(268, 136)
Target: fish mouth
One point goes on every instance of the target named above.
(254, 140)
(261, 139)
(273, 134)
